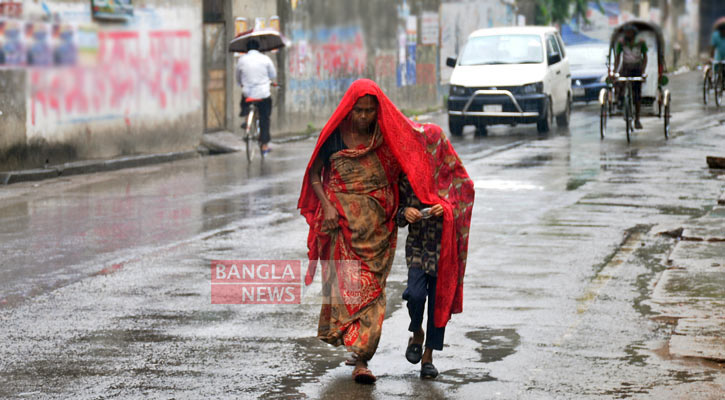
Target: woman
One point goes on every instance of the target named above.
(350, 199)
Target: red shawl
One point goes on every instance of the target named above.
(436, 175)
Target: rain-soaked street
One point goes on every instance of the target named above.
(105, 278)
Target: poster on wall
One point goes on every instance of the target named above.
(87, 44)
(240, 25)
(112, 9)
(12, 43)
(407, 43)
(429, 28)
(65, 48)
(37, 39)
(11, 9)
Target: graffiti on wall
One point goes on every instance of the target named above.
(329, 52)
(322, 62)
(136, 73)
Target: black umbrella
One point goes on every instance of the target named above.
(269, 39)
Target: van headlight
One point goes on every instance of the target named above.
(604, 78)
(532, 88)
(458, 90)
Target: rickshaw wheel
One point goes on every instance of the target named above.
(718, 90)
(706, 87)
(603, 120)
(628, 114)
(667, 114)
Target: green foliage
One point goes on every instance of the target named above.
(558, 11)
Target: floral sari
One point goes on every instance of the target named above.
(362, 184)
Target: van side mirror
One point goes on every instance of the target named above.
(451, 62)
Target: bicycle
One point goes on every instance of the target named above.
(628, 106)
(252, 131)
(714, 82)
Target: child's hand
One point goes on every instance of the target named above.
(412, 215)
(436, 210)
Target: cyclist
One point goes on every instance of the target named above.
(255, 73)
(631, 56)
(717, 45)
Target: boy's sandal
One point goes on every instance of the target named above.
(363, 375)
(414, 352)
(428, 371)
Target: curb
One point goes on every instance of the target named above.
(689, 293)
(91, 166)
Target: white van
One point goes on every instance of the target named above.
(510, 75)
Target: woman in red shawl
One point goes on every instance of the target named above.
(350, 198)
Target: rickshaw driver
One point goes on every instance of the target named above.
(717, 46)
(631, 55)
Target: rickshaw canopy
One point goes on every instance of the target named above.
(642, 26)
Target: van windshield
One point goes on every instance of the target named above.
(502, 49)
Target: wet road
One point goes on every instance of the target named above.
(105, 291)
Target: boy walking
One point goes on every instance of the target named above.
(422, 250)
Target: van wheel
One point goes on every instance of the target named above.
(481, 130)
(544, 124)
(564, 118)
(455, 125)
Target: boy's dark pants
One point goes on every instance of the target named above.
(420, 286)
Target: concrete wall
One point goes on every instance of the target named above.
(335, 42)
(134, 87)
(12, 106)
(459, 18)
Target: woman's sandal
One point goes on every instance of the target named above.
(352, 361)
(363, 375)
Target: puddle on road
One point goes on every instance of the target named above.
(152, 319)
(504, 185)
(495, 344)
(458, 377)
(127, 337)
(310, 359)
(530, 162)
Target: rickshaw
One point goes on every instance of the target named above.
(654, 93)
(713, 79)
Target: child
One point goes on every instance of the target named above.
(422, 250)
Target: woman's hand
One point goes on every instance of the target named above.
(412, 215)
(330, 216)
(436, 210)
